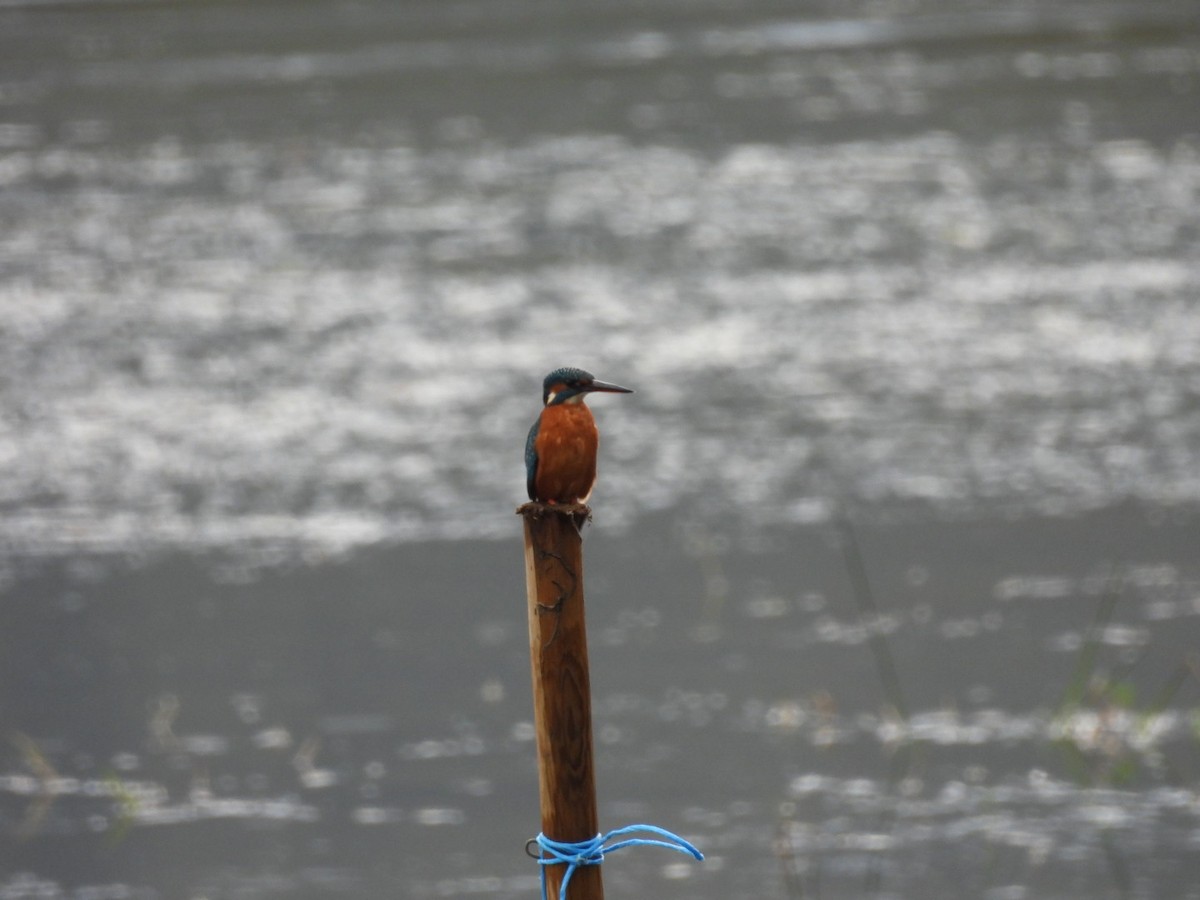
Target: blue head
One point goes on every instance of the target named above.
(568, 385)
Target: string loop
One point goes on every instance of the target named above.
(591, 852)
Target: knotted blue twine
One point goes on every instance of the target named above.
(591, 852)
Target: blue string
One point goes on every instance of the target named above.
(591, 852)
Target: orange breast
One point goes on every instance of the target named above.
(566, 448)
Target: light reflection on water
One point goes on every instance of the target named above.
(234, 395)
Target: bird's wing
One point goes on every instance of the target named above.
(531, 459)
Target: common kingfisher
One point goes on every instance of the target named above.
(560, 452)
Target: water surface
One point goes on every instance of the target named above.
(279, 284)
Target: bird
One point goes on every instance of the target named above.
(560, 452)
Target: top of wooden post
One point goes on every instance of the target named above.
(579, 513)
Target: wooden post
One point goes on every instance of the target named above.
(562, 698)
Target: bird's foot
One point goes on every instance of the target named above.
(579, 513)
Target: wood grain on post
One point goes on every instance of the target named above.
(562, 698)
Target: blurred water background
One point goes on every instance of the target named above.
(894, 584)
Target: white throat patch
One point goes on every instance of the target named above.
(574, 398)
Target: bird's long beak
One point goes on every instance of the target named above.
(605, 387)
